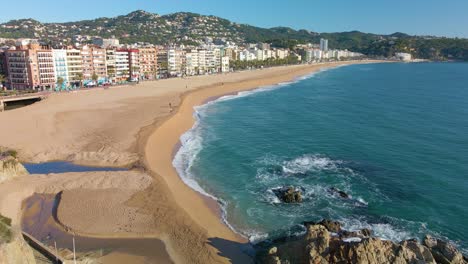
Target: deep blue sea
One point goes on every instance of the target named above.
(393, 136)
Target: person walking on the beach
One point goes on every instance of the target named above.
(170, 107)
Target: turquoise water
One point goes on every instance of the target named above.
(393, 136)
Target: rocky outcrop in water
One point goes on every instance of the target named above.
(338, 192)
(326, 242)
(289, 194)
(10, 166)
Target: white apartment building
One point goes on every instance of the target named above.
(191, 60)
(175, 61)
(225, 64)
(122, 65)
(202, 66)
(60, 63)
(247, 55)
(282, 53)
(259, 54)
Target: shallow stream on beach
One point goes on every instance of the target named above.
(392, 136)
(39, 220)
(63, 167)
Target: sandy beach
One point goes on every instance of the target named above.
(138, 127)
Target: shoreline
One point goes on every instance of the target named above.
(214, 203)
(166, 138)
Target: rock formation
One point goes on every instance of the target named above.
(326, 242)
(289, 194)
(9, 166)
(338, 192)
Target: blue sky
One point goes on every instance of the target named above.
(422, 17)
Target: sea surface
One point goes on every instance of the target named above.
(392, 136)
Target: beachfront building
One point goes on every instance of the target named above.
(202, 66)
(175, 59)
(134, 63)
(74, 67)
(225, 64)
(213, 60)
(60, 67)
(122, 65)
(162, 62)
(93, 63)
(148, 62)
(3, 68)
(110, 64)
(191, 62)
(30, 66)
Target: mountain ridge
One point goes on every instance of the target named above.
(193, 29)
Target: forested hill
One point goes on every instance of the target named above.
(190, 28)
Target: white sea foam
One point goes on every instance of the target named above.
(384, 231)
(256, 237)
(359, 199)
(308, 163)
(352, 239)
(271, 197)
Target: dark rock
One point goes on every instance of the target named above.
(331, 226)
(366, 232)
(289, 194)
(443, 251)
(336, 191)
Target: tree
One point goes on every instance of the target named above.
(125, 74)
(95, 77)
(111, 74)
(155, 72)
(135, 69)
(2, 79)
(79, 77)
(60, 82)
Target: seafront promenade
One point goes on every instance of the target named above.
(5, 100)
